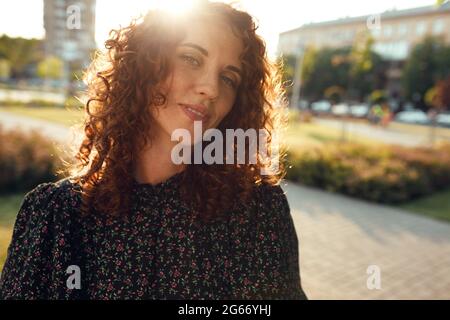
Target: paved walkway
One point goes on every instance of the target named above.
(57, 132)
(340, 237)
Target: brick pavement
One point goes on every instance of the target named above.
(340, 237)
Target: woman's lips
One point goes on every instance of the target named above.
(193, 113)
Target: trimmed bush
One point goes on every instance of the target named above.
(26, 159)
(381, 174)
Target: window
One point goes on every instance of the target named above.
(438, 26)
(61, 14)
(402, 29)
(421, 27)
(349, 34)
(394, 51)
(387, 30)
(375, 32)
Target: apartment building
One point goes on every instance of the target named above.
(395, 33)
(70, 30)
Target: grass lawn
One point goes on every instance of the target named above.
(9, 206)
(435, 206)
(301, 135)
(66, 117)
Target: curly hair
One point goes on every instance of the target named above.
(123, 83)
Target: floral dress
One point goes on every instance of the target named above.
(157, 252)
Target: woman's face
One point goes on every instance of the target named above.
(204, 81)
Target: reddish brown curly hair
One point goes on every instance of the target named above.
(122, 83)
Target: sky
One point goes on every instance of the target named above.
(25, 17)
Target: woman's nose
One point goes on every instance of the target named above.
(208, 86)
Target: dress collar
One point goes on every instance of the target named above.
(171, 183)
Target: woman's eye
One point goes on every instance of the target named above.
(190, 60)
(229, 81)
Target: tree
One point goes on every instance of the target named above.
(443, 94)
(378, 96)
(334, 94)
(5, 69)
(428, 62)
(20, 53)
(440, 2)
(51, 67)
(324, 69)
(442, 59)
(367, 69)
(287, 63)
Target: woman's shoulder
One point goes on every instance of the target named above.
(42, 225)
(49, 201)
(47, 193)
(271, 198)
(273, 213)
(270, 239)
(267, 205)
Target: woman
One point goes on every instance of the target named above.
(130, 223)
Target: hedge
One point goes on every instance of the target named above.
(381, 174)
(26, 159)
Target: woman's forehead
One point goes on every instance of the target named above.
(215, 38)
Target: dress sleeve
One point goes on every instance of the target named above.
(26, 271)
(277, 248)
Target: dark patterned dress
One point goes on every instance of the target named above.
(157, 252)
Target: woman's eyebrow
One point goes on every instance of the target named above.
(196, 46)
(205, 53)
(235, 69)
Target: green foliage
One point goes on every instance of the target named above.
(25, 161)
(309, 63)
(5, 69)
(334, 93)
(51, 67)
(367, 69)
(438, 97)
(428, 63)
(357, 70)
(440, 2)
(324, 69)
(385, 175)
(436, 205)
(287, 64)
(20, 53)
(378, 96)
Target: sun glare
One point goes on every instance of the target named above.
(176, 7)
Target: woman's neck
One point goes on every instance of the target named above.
(154, 164)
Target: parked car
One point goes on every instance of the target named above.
(443, 119)
(359, 110)
(414, 116)
(302, 104)
(394, 105)
(408, 106)
(340, 109)
(321, 106)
